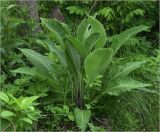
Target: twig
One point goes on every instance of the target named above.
(75, 25)
(14, 127)
(97, 119)
(92, 6)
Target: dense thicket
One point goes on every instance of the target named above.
(79, 65)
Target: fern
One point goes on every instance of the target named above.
(77, 10)
(136, 12)
(107, 12)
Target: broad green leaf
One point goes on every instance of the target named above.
(27, 120)
(26, 102)
(51, 27)
(14, 100)
(41, 62)
(96, 62)
(12, 6)
(95, 129)
(58, 110)
(90, 41)
(73, 59)
(120, 39)
(70, 116)
(61, 28)
(82, 118)
(58, 52)
(122, 85)
(82, 29)
(66, 109)
(24, 70)
(4, 97)
(127, 69)
(53, 24)
(98, 27)
(41, 42)
(5, 114)
(37, 73)
(77, 45)
(52, 47)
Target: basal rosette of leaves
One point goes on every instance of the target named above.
(75, 64)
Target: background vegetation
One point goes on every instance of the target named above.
(48, 86)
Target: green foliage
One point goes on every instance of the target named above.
(119, 40)
(80, 63)
(119, 86)
(99, 60)
(95, 129)
(61, 112)
(76, 10)
(107, 12)
(19, 112)
(92, 67)
(82, 117)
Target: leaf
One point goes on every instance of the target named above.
(96, 62)
(5, 114)
(127, 69)
(123, 85)
(73, 59)
(4, 97)
(41, 62)
(27, 120)
(50, 25)
(136, 12)
(58, 110)
(70, 116)
(149, 91)
(82, 29)
(82, 118)
(77, 10)
(90, 41)
(2, 79)
(13, 100)
(120, 39)
(107, 12)
(41, 42)
(12, 6)
(95, 129)
(66, 109)
(26, 102)
(24, 70)
(38, 73)
(78, 45)
(61, 56)
(98, 27)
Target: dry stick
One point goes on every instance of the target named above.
(97, 119)
(100, 121)
(14, 127)
(74, 27)
(76, 22)
(92, 6)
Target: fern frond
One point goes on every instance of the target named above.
(107, 12)
(77, 10)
